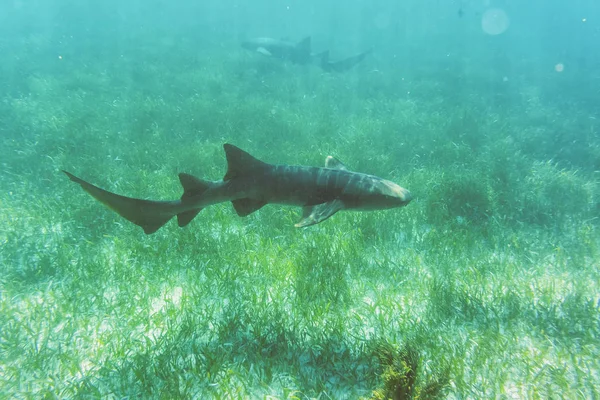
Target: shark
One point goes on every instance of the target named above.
(249, 184)
(297, 53)
(300, 53)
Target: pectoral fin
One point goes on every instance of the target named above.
(264, 51)
(314, 214)
(244, 207)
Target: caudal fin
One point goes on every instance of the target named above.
(345, 64)
(148, 214)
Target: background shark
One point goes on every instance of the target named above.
(298, 53)
(301, 53)
(250, 184)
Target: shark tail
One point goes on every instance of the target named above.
(342, 65)
(148, 214)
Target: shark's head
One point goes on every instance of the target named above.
(373, 193)
(390, 195)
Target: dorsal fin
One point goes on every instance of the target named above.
(304, 45)
(334, 163)
(193, 186)
(240, 163)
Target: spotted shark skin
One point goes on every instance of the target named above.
(250, 184)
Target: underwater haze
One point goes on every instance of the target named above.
(487, 285)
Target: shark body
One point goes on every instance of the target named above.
(250, 184)
(300, 53)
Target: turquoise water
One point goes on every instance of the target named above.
(485, 286)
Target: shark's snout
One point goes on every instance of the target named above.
(405, 195)
(400, 195)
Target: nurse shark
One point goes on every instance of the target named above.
(249, 184)
(300, 53)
